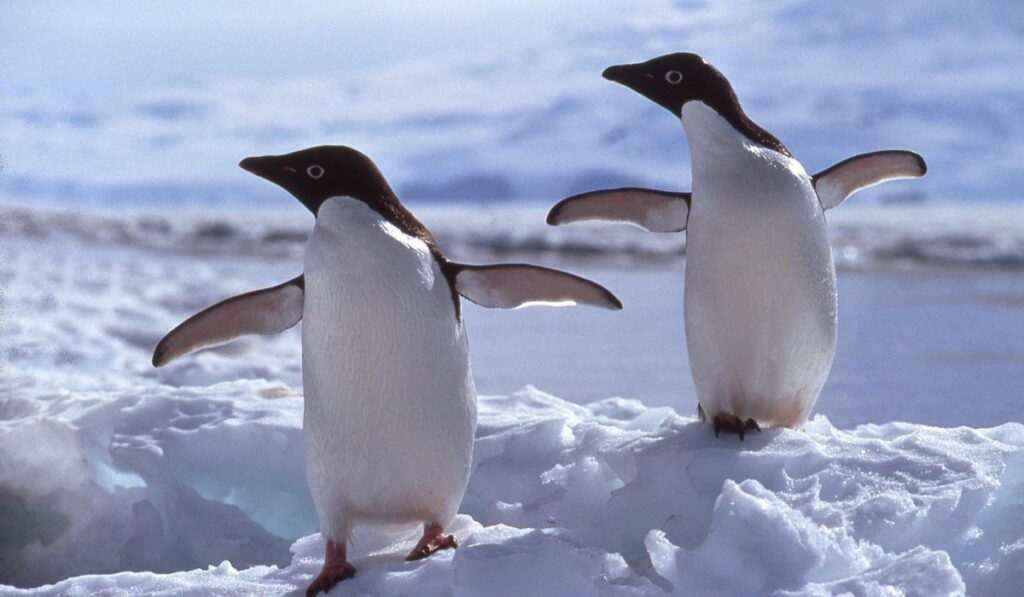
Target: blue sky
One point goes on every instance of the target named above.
(99, 48)
(122, 102)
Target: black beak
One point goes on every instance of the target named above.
(270, 167)
(267, 166)
(251, 165)
(275, 168)
(634, 76)
(638, 78)
(618, 73)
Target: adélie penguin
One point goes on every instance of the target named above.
(760, 302)
(389, 399)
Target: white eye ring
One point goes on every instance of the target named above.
(315, 171)
(674, 77)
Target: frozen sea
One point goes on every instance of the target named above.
(590, 469)
(122, 211)
(908, 478)
(931, 303)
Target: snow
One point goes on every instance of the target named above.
(118, 478)
(201, 484)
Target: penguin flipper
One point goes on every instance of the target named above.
(835, 183)
(653, 210)
(265, 312)
(514, 285)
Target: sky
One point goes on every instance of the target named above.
(106, 49)
(122, 103)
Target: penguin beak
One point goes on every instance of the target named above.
(270, 167)
(251, 165)
(634, 76)
(275, 168)
(618, 73)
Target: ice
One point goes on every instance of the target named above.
(146, 478)
(862, 236)
(202, 487)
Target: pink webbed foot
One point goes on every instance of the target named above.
(433, 540)
(734, 424)
(336, 569)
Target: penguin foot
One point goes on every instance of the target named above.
(336, 569)
(734, 424)
(433, 540)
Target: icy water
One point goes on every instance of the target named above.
(934, 347)
(940, 346)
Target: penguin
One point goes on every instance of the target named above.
(760, 302)
(389, 399)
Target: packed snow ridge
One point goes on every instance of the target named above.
(201, 490)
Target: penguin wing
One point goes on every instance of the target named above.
(835, 183)
(268, 311)
(514, 285)
(656, 211)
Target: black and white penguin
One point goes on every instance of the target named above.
(390, 403)
(760, 297)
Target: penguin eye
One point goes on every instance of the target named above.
(674, 77)
(315, 171)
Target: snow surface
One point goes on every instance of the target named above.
(609, 498)
(108, 465)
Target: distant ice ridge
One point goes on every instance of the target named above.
(931, 235)
(202, 488)
(530, 116)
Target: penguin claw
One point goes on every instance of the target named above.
(329, 577)
(433, 540)
(336, 569)
(734, 424)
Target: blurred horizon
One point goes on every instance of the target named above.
(121, 104)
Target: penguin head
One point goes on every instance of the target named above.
(316, 174)
(674, 79)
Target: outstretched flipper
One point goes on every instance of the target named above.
(268, 311)
(656, 211)
(835, 183)
(514, 285)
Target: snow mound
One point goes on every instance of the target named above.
(203, 489)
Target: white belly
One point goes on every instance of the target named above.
(760, 298)
(390, 406)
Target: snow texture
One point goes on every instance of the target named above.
(203, 487)
(108, 465)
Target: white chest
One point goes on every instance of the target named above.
(379, 314)
(389, 397)
(760, 282)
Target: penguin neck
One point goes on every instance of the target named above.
(716, 142)
(699, 119)
(348, 218)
